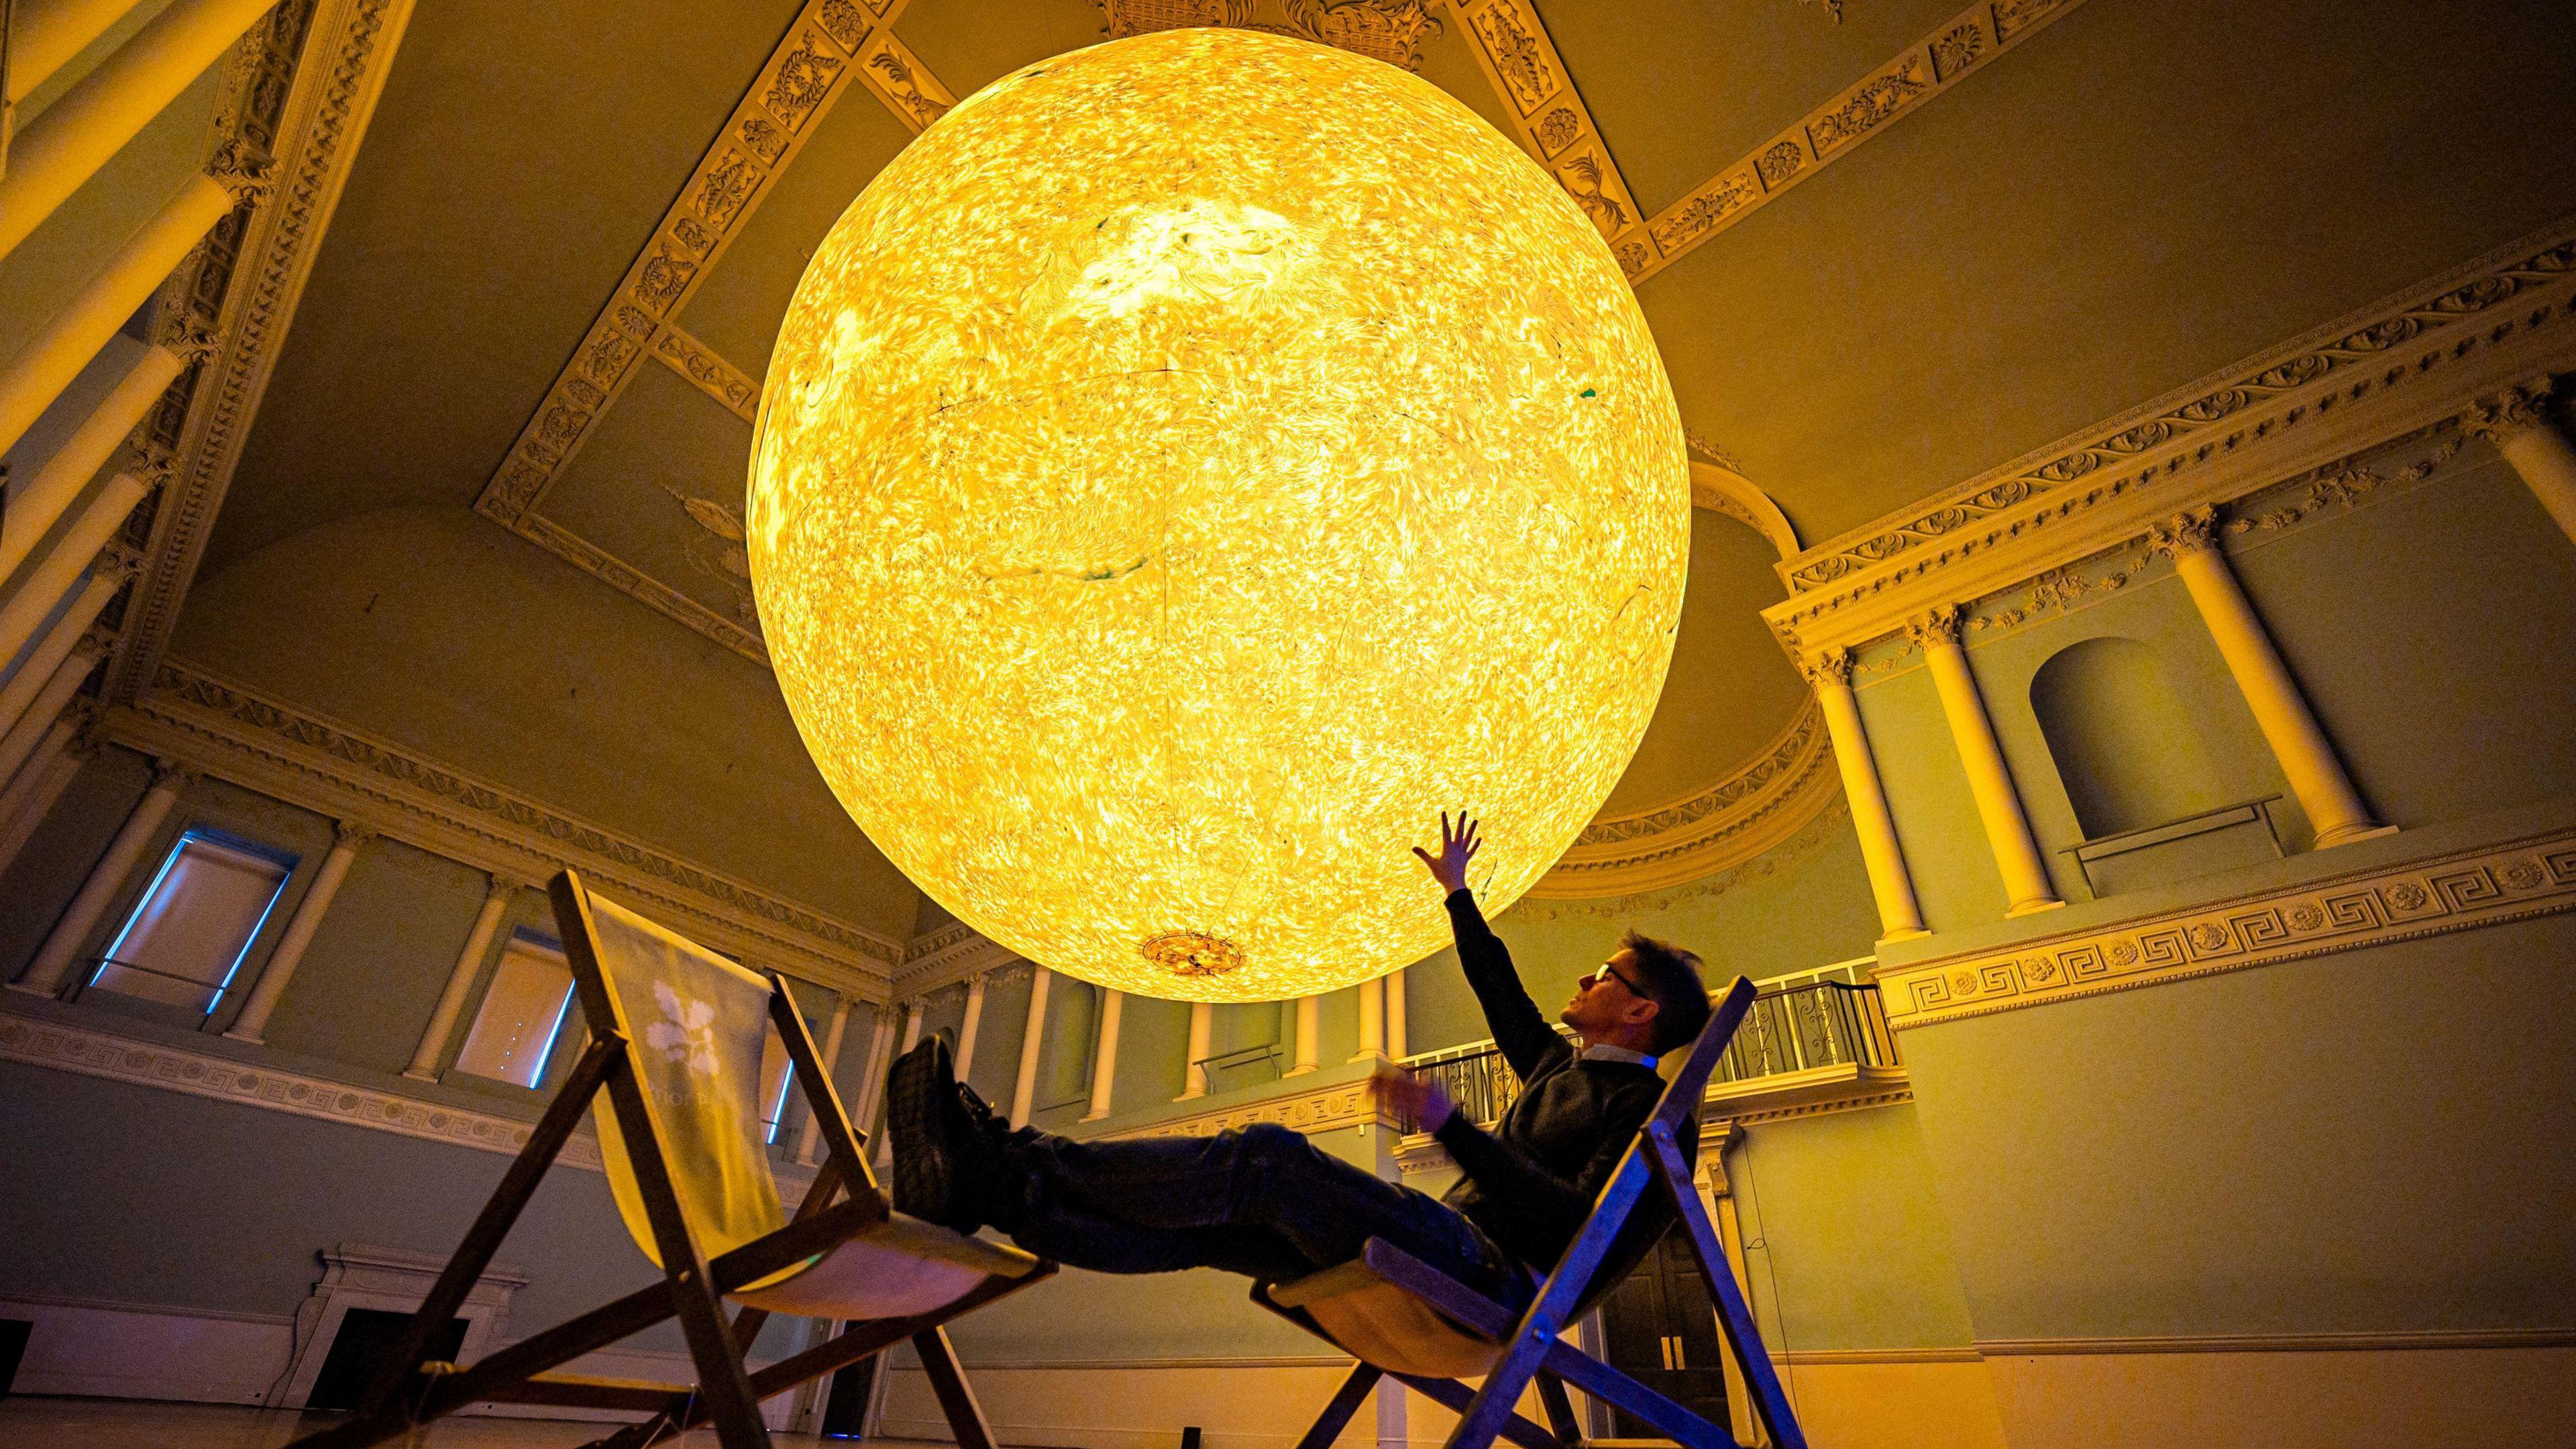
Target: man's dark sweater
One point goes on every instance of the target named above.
(1531, 1182)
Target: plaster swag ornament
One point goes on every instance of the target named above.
(1186, 469)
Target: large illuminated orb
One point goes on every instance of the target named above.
(1190, 466)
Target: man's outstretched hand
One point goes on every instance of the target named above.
(1458, 845)
(1416, 1098)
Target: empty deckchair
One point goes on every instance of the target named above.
(676, 1035)
(1402, 1318)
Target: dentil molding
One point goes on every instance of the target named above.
(234, 733)
(2400, 366)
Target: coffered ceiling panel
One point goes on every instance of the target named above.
(659, 485)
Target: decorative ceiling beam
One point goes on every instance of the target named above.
(301, 88)
(1553, 124)
(1967, 42)
(706, 371)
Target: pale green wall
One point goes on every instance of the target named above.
(375, 969)
(996, 1068)
(2361, 1142)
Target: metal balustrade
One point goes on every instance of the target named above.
(1790, 1029)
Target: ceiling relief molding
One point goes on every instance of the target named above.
(1740, 817)
(707, 372)
(2518, 880)
(780, 111)
(1554, 125)
(1721, 488)
(947, 955)
(262, 744)
(2386, 372)
(1387, 30)
(654, 594)
(903, 83)
(1964, 44)
(297, 94)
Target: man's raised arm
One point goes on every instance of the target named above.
(1519, 1028)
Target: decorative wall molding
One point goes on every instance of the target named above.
(301, 88)
(1303, 1109)
(2460, 891)
(201, 1074)
(2427, 1338)
(1756, 808)
(898, 78)
(1815, 1092)
(2397, 367)
(1555, 126)
(708, 372)
(1723, 488)
(1964, 44)
(240, 735)
(947, 955)
(1387, 30)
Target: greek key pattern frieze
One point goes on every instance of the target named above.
(2458, 892)
(1963, 44)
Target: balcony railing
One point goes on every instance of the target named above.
(1790, 1030)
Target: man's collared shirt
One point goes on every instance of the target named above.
(1604, 1052)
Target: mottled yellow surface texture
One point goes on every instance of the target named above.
(1192, 464)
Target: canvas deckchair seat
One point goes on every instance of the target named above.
(1379, 1323)
(699, 1022)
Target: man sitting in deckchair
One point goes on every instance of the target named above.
(1263, 1202)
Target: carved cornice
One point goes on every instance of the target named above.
(948, 955)
(2510, 413)
(1309, 1110)
(302, 88)
(654, 594)
(2408, 362)
(2487, 886)
(1725, 825)
(202, 1074)
(1554, 124)
(271, 747)
(2194, 530)
(1967, 42)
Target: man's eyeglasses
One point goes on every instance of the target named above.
(1609, 972)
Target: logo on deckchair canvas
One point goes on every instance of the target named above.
(687, 1035)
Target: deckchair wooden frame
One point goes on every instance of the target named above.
(1533, 1354)
(411, 1389)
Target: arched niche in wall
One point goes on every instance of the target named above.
(2122, 740)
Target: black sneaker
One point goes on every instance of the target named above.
(934, 1143)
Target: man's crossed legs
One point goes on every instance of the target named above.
(1261, 1201)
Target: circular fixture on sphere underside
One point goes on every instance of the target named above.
(1188, 467)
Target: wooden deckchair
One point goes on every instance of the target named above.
(1402, 1318)
(675, 1041)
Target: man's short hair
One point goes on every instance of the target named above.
(1671, 978)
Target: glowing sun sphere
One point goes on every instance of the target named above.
(1191, 465)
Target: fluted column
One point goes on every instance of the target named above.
(1372, 1020)
(1899, 917)
(252, 1024)
(427, 1057)
(94, 119)
(58, 684)
(34, 509)
(38, 374)
(1397, 1010)
(2307, 759)
(1104, 1062)
(971, 1025)
(1310, 1021)
(1024, 1086)
(911, 1038)
(1973, 734)
(45, 34)
(34, 597)
(44, 975)
(2517, 421)
(809, 1140)
(32, 792)
(1194, 1079)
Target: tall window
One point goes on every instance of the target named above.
(187, 936)
(523, 1013)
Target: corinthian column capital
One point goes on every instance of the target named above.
(2189, 532)
(243, 170)
(1934, 627)
(1830, 666)
(2512, 412)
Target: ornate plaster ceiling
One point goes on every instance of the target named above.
(1885, 244)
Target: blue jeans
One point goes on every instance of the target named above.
(1261, 1201)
